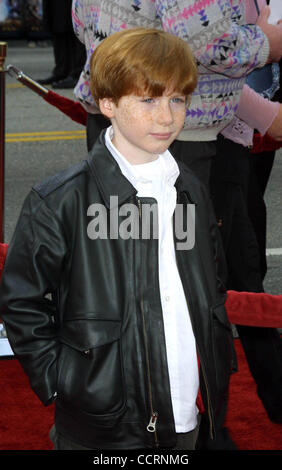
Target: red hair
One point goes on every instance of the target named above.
(138, 61)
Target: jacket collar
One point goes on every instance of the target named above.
(111, 181)
(107, 174)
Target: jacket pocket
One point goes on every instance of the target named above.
(90, 371)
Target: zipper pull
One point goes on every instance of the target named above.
(153, 421)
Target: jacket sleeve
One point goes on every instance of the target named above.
(218, 249)
(212, 29)
(31, 277)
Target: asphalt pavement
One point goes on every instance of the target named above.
(41, 140)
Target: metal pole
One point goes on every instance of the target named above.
(26, 80)
(3, 52)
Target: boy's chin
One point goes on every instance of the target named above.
(162, 148)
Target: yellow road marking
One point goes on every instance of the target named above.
(37, 139)
(44, 136)
(14, 85)
(16, 134)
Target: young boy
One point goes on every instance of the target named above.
(114, 317)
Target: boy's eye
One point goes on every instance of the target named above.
(147, 100)
(173, 100)
(178, 100)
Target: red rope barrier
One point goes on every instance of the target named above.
(264, 143)
(254, 309)
(72, 109)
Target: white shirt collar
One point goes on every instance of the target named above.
(168, 164)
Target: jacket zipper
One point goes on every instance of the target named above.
(151, 427)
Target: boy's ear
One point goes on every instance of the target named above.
(107, 107)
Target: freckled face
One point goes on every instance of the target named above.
(145, 127)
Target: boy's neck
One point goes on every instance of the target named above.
(134, 157)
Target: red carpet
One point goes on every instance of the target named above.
(25, 423)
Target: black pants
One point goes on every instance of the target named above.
(260, 168)
(198, 156)
(230, 186)
(69, 55)
(229, 179)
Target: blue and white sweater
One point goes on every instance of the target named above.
(225, 48)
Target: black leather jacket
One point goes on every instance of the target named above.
(84, 316)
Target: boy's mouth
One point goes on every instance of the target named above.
(162, 135)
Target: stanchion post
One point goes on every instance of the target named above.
(3, 52)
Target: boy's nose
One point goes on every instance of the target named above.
(164, 115)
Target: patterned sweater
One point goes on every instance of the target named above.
(225, 48)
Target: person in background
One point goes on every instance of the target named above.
(238, 181)
(225, 47)
(69, 53)
(261, 165)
